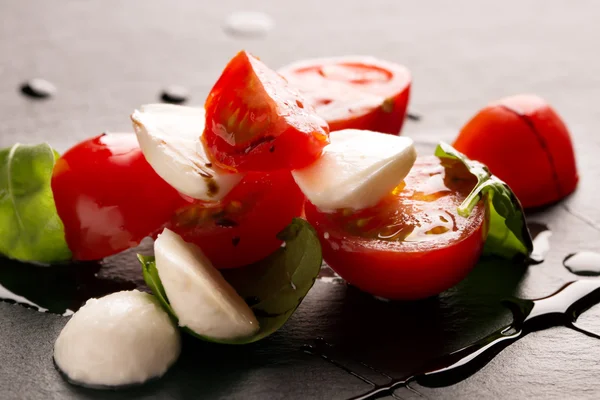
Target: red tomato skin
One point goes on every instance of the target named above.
(524, 142)
(386, 117)
(271, 200)
(291, 134)
(378, 120)
(376, 267)
(108, 196)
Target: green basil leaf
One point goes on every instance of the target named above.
(30, 228)
(508, 235)
(273, 287)
(152, 279)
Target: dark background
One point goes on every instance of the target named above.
(108, 57)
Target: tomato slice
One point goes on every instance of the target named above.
(524, 142)
(242, 228)
(108, 197)
(413, 244)
(354, 92)
(256, 122)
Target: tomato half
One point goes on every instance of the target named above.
(242, 228)
(524, 142)
(354, 92)
(108, 197)
(413, 244)
(256, 122)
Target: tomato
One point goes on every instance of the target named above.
(108, 197)
(413, 244)
(242, 228)
(354, 92)
(256, 122)
(524, 142)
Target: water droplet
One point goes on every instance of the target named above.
(175, 94)
(248, 24)
(38, 88)
(584, 263)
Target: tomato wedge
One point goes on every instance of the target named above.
(413, 244)
(108, 197)
(242, 228)
(256, 122)
(354, 92)
(524, 142)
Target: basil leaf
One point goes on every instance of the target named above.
(508, 235)
(273, 287)
(152, 279)
(30, 228)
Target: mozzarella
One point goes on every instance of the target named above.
(199, 295)
(169, 137)
(357, 169)
(121, 339)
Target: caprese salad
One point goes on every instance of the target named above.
(246, 196)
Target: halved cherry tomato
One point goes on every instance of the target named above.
(108, 197)
(524, 142)
(242, 228)
(354, 92)
(413, 244)
(256, 122)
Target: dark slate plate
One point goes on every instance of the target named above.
(106, 59)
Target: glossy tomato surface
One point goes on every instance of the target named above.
(354, 92)
(413, 244)
(256, 122)
(524, 142)
(108, 197)
(242, 228)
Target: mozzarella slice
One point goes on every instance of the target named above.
(124, 338)
(357, 169)
(201, 298)
(169, 137)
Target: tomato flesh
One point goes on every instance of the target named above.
(242, 228)
(354, 92)
(524, 142)
(108, 196)
(413, 244)
(256, 122)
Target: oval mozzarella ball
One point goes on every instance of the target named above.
(169, 137)
(357, 169)
(124, 338)
(198, 293)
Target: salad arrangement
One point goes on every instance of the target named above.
(247, 196)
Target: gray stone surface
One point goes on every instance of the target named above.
(107, 57)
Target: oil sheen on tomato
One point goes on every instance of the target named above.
(413, 244)
(242, 228)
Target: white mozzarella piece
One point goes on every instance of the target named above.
(169, 136)
(124, 338)
(357, 169)
(199, 295)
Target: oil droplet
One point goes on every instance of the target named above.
(413, 116)
(328, 275)
(584, 263)
(6, 294)
(559, 309)
(175, 94)
(248, 24)
(541, 242)
(38, 88)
